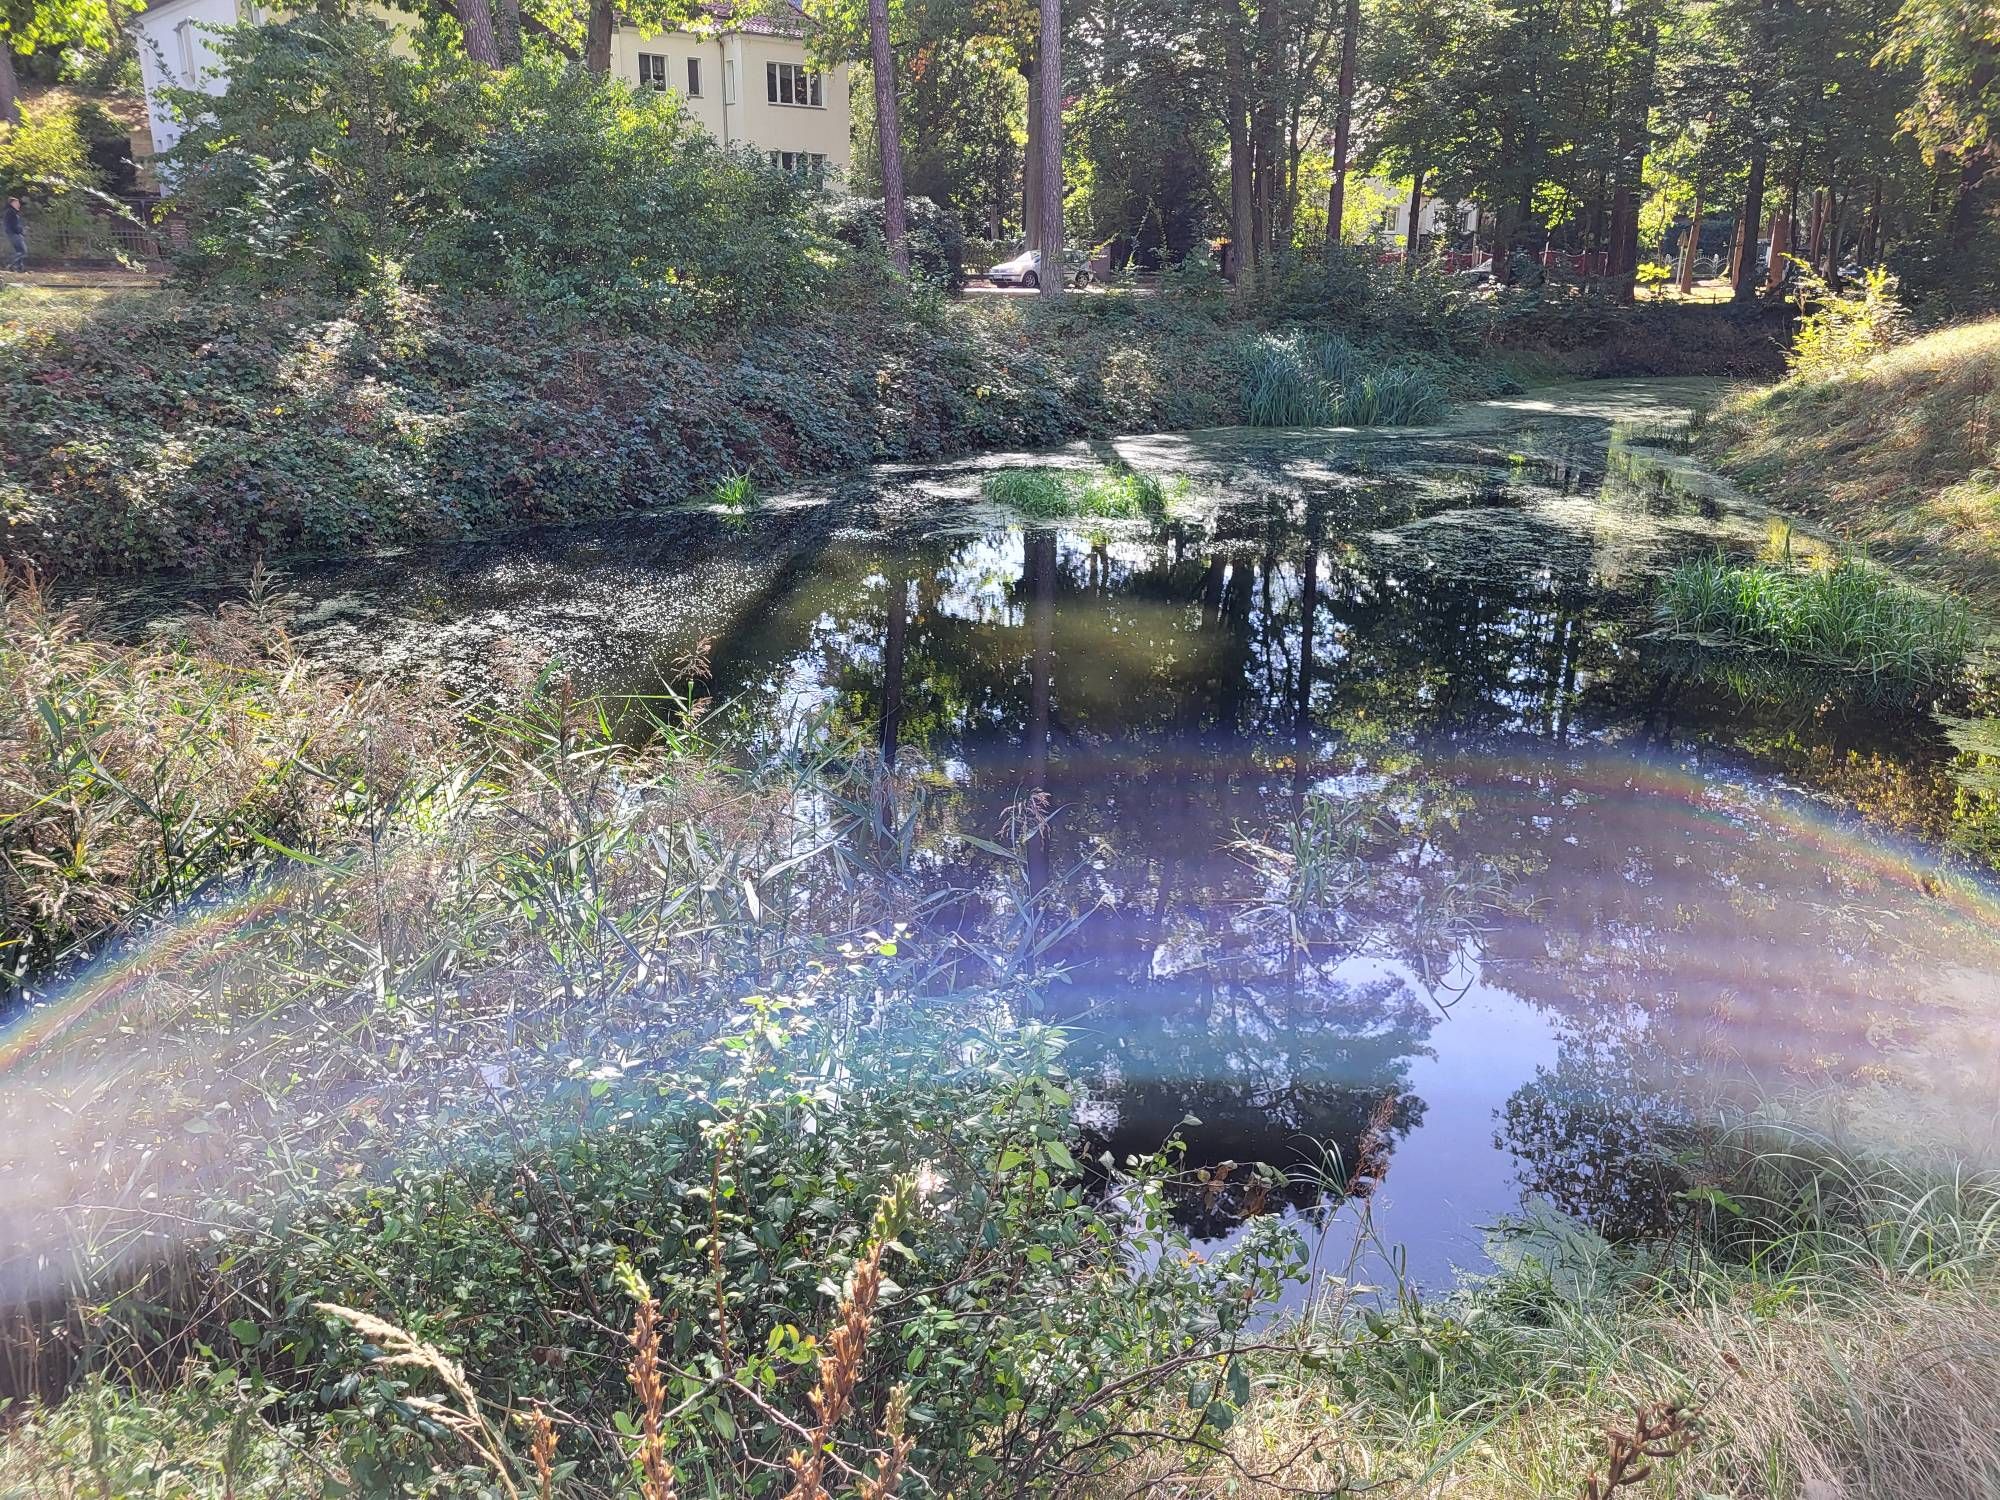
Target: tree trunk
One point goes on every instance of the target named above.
(507, 31)
(1031, 163)
(1871, 227)
(1781, 247)
(1048, 65)
(1343, 120)
(1972, 172)
(1414, 237)
(597, 38)
(1838, 212)
(1743, 274)
(1691, 249)
(10, 87)
(888, 136)
(482, 45)
(1269, 60)
(1242, 161)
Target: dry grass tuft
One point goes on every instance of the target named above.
(1901, 456)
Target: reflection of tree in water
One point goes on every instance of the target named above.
(1306, 1080)
(1603, 1139)
(1165, 693)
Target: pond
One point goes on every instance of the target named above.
(1351, 812)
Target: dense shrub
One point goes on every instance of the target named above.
(936, 237)
(333, 160)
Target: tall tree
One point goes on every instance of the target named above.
(1048, 105)
(888, 134)
(482, 41)
(602, 21)
(1343, 120)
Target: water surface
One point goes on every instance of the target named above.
(1578, 885)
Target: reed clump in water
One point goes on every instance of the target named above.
(1849, 616)
(1321, 380)
(1103, 493)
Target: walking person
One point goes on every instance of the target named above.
(17, 237)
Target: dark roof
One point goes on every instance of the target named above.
(774, 18)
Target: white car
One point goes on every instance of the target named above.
(1025, 269)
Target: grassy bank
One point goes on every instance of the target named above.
(188, 430)
(1900, 456)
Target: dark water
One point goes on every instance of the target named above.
(1573, 886)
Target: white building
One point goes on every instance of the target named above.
(749, 82)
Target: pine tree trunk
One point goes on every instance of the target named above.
(1871, 227)
(1743, 274)
(1343, 120)
(10, 87)
(1414, 237)
(888, 136)
(482, 45)
(1692, 248)
(1048, 64)
(597, 38)
(1031, 164)
(507, 31)
(1242, 173)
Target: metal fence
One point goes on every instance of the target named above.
(100, 239)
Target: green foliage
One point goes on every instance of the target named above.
(1321, 380)
(195, 431)
(1099, 493)
(1839, 330)
(47, 153)
(738, 493)
(935, 237)
(1849, 616)
(334, 161)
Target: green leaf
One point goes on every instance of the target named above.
(246, 1332)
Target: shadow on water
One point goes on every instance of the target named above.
(1346, 813)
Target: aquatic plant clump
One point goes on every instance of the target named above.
(1850, 616)
(1108, 494)
(1321, 380)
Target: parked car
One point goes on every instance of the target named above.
(1025, 269)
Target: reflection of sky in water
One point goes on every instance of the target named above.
(1682, 914)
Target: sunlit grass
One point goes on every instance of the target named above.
(1902, 454)
(1105, 494)
(1850, 616)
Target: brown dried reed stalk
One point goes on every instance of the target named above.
(542, 1450)
(894, 1418)
(839, 1373)
(656, 1475)
(1666, 1429)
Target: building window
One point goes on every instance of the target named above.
(792, 83)
(652, 70)
(800, 163)
(184, 35)
(694, 78)
(729, 82)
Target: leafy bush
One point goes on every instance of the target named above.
(333, 159)
(1839, 330)
(46, 154)
(936, 238)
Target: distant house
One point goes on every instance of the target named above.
(749, 81)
